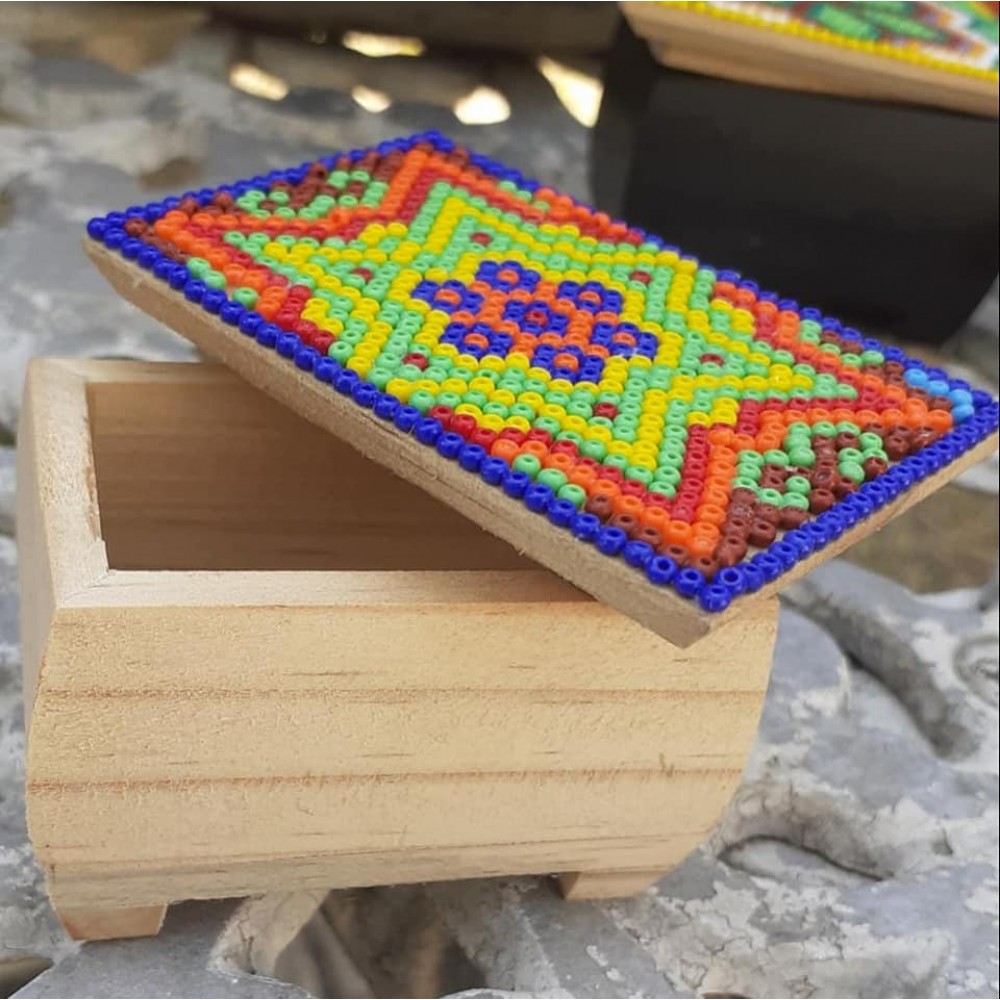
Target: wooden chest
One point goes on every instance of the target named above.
(255, 660)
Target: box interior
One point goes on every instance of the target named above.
(211, 474)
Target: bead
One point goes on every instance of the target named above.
(668, 413)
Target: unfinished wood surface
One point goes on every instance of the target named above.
(609, 580)
(209, 732)
(734, 50)
(89, 924)
(608, 885)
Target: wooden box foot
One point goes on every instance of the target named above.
(95, 924)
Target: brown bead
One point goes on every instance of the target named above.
(705, 565)
(823, 478)
(649, 535)
(768, 513)
(843, 486)
(896, 446)
(737, 525)
(821, 500)
(762, 533)
(922, 437)
(599, 504)
(893, 368)
(678, 553)
(921, 394)
(771, 481)
(871, 428)
(793, 517)
(188, 206)
(629, 523)
(741, 495)
(730, 550)
(874, 466)
(846, 440)
(135, 227)
(939, 403)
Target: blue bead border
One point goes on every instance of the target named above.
(978, 412)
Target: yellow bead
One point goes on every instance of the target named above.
(469, 408)
(539, 373)
(561, 385)
(598, 433)
(492, 363)
(533, 399)
(492, 422)
(399, 388)
(358, 364)
(576, 424)
(503, 396)
(518, 423)
(618, 447)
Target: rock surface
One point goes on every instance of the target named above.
(859, 857)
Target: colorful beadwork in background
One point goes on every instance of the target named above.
(709, 433)
(961, 37)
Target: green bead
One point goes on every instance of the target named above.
(852, 470)
(824, 429)
(664, 486)
(804, 457)
(594, 449)
(747, 470)
(576, 495)
(340, 351)
(475, 398)
(522, 410)
(549, 424)
(748, 457)
(870, 440)
(770, 496)
(639, 474)
(248, 297)
(552, 478)
(214, 279)
(851, 455)
(448, 398)
(198, 266)
(799, 500)
(619, 462)
(577, 439)
(422, 400)
(525, 462)
(743, 483)
(872, 358)
(874, 453)
(775, 457)
(798, 484)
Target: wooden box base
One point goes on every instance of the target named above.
(255, 660)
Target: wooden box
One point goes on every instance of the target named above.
(255, 660)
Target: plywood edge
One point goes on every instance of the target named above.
(609, 580)
(60, 550)
(691, 40)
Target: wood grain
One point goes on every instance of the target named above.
(223, 728)
(716, 46)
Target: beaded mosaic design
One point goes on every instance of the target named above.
(707, 432)
(958, 37)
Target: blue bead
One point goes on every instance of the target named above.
(799, 541)
(516, 483)
(116, 218)
(148, 257)
(688, 582)
(714, 598)
(250, 323)
(450, 444)
(769, 566)
(561, 513)
(733, 578)
(786, 553)
(267, 334)
(818, 532)
(306, 357)
(471, 457)
(586, 526)
(96, 227)
(194, 290)
(427, 430)
(638, 553)
(538, 497)
(753, 577)
(231, 312)
(406, 417)
(163, 268)
(286, 345)
(213, 300)
(386, 406)
(130, 248)
(345, 380)
(611, 540)
(660, 570)
(179, 277)
(114, 238)
(325, 369)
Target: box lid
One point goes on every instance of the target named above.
(666, 436)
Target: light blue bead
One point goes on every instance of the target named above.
(962, 412)
(915, 377)
(938, 387)
(960, 397)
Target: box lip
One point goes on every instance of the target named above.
(62, 387)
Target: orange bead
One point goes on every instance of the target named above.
(536, 448)
(655, 517)
(507, 450)
(564, 463)
(940, 420)
(678, 532)
(627, 505)
(710, 513)
(607, 487)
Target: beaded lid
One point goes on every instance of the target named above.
(665, 434)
